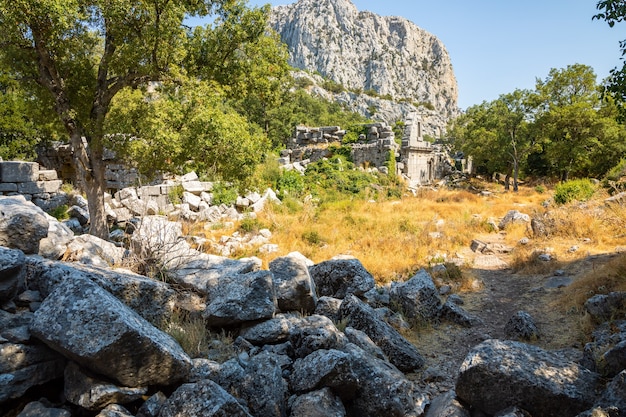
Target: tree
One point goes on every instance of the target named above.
(181, 126)
(614, 11)
(496, 134)
(83, 53)
(567, 120)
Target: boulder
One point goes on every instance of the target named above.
(152, 406)
(340, 277)
(614, 396)
(367, 386)
(12, 263)
(85, 390)
(79, 213)
(273, 331)
(603, 307)
(360, 339)
(329, 307)
(320, 403)
(446, 405)
(513, 217)
(22, 224)
(295, 290)
(417, 298)
(400, 352)
(151, 299)
(204, 398)
(263, 388)
(55, 244)
(114, 410)
(456, 314)
(25, 366)
(93, 328)
(240, 298)
(39, 409)
(499, 374)
(91, 250)
(316, 332)
(521, 327)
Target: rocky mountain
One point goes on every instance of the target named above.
(363, 51)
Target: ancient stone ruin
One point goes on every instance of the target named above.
(419, 162)
(42, 186)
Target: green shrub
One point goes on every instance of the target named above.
(313, 238)
(573, 190)
(540, 189)
(224, 194)
(60, 213)
(250, 225)
(290, 183)
(175, 194)
(332, 86)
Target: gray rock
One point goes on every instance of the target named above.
(603, 307)
(12, 263)
(614, 396)
(204, 398)
(340, 277)
(91, 250)
(606, 337)
(263, 388)
(151, 299)
(392, 318)
(400, 352)
(558, 282)
(456, 314)
(360, 339)
(316, 332)
(321, 403)
(329, 307)
(613, 361)
(240, 298)
(377, 297)
(39, 409)
(114, 410)
(152, 406)
(273, 331)
(446, 405)
(79, 213)
(25, 366)
(513, 412)
(367, 386)
(521, 327)
(418, 297)
(295, 290)
(513, 217)
(90, 326)
(55, 244)
(22, 224)
(83, 389)
(499, 374)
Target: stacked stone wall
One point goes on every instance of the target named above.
(42, 186)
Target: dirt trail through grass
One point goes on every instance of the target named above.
(503, 293)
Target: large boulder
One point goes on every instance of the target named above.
(513, 217)
(446, 405)
(499, 374)
(55, 244)
(91, 250)
(367, 386)
(362, 317)
(151, 299)
(263, 387)
(295, 290)
(604, 307)
(316, 332)
(12, 263)
(521, 326)
(321, 403)
(204, 398)
(93, 328)
(273, 331)
(22, 224)
(418, 297)
(240, 298)
(340, 277)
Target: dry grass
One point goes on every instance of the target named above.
(190, 333)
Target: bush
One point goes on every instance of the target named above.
(573, 190)
(290, 183)
(175, 194)
(224, 194)
(60, 213)
(250, 225)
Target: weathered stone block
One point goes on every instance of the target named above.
(48, 175)
(8, 187)
(13, 171)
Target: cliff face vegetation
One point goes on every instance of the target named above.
(363, 52)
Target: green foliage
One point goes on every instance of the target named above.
(615, 179)
(250, 225)
(313, 238)
(175, 194)
(574, 190)
(60, 213)
(290, 183)
(333, 86)
(224, 193)
(345, 151)
(540, 189)
(426, 104)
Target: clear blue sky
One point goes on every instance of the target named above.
(497, 46)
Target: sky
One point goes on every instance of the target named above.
(497, 46)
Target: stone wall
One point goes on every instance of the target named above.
(42, 186)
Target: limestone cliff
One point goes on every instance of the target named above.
(364, 51)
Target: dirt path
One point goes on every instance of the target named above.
(503, 293)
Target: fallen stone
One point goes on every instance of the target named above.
(240, 298)
(295, 290)
(603, 307)
(22, 224)
(92, 393)
(321, 403)
(39, 409)
(114, 410)
(93, 328)
(513, 217)
(446, 405)
(418, 297)
(313, 333)
(204, 398)
(329, 307)
(273, 331)
(521, 327)
(340, 277)
(499, 374)
(152, 406)
(263, 388)
(91, 250)
(12, 263)
(400, 352)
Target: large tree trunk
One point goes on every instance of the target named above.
(515, 175)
